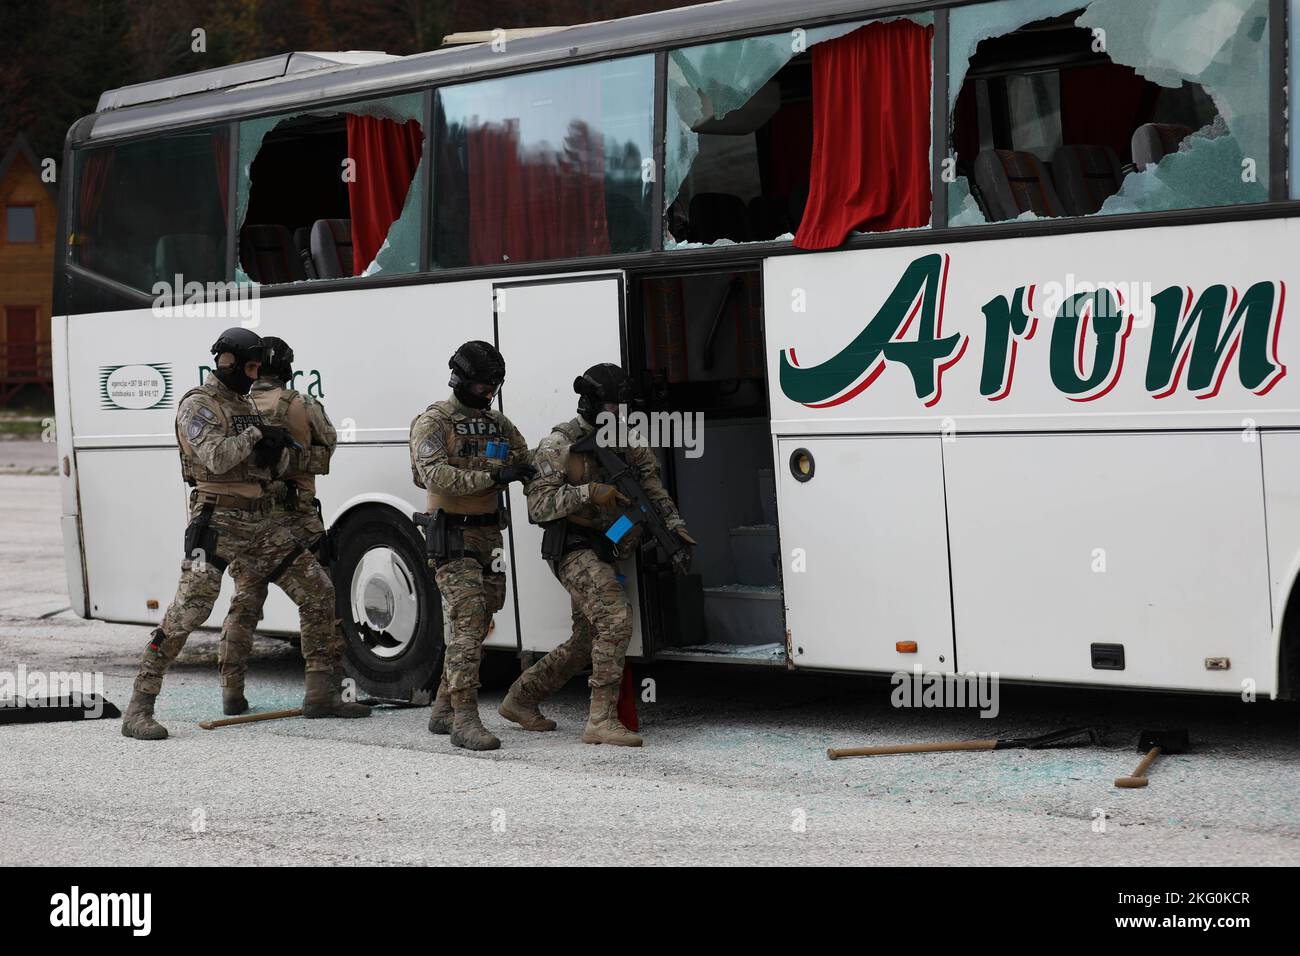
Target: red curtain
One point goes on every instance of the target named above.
(871, 134)
(530, 202)
(221, 160)
(386, 154)
(93, 177)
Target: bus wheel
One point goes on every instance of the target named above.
(389, 606)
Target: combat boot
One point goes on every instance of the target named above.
(522, 709)
(323, 698)
(467, 729)
(138, 721)
(603, 725)
(441, 714)
(233, 701)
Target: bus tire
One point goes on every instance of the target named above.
(388, 605)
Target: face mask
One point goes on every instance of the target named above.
(233, 377)
(476, 395)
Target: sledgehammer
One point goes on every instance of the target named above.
(1153, 743)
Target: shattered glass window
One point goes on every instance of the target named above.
(738, 136)
(332, 192)
(1074, 108)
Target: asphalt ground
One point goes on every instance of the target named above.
(734, 770)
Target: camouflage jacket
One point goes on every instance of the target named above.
(562, 488)
(216, 431)
(449, 456)
(306, 420)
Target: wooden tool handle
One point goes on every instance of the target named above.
(1139, 776)
(250, 718)
(836, 754)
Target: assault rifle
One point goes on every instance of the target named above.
(643, 510)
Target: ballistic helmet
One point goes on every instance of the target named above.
(477, 371)
(601, 385)
(246, 346)
(278, 360)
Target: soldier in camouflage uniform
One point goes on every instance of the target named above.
(230, 457)
(295, 514)
(570, 487)
(464, 453)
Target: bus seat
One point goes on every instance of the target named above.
(267, 254)
(302, 245)
(190, 256)
(715, 216)
(331, 248)
(1014, 183)
(1086, 176)
(1154, 141)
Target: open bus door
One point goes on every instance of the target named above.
(550, 331)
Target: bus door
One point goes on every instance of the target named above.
(550, 332)
(865, 549)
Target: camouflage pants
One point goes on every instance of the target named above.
(303, 527)
(471, 593)
(255, 547)
(602, 629)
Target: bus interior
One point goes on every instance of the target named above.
(696, 343)
(748, 182)
(1046, 124)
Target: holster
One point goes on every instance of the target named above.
(201, 536)
(326, 546)
(564, 537)
(442, 541)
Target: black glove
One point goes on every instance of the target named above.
(682, 559)
(266, 452)
(521, 472)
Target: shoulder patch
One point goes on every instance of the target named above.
(207, 413)
(197, 423)
(429, 447)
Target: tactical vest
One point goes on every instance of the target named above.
(245, 479)
(274, 404)
(582, 469)
(466, 443)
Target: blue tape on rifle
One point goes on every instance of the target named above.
(618, 529)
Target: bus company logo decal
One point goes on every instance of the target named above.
(135, 387)
(1195, 338)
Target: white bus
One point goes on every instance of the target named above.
(983, 304)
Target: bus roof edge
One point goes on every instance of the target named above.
(237, 74)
